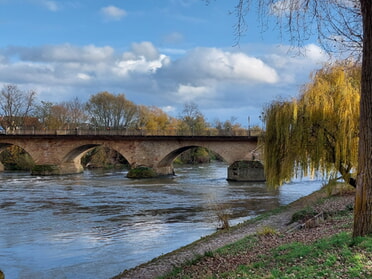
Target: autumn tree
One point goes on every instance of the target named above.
(192, 121)
(152, 119)
(64, 115)
(52, 116)
(15, 105)
(317, 132)
(228, 127)
(112, 111)
(76, 114)
(43, 112)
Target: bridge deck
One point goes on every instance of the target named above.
(133, 137)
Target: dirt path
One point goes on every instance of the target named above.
(164, 264)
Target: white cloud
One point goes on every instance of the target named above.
(173, 51)
(216, 79)
(62, 53)
(173, 38)
(284, 7)
(50, 5)
(83, 76)
(139, 65)
(145, 49)
(113, 13)
(169, 109)
(205, 65)
(188, 93)
(292, 63)
(315, 53)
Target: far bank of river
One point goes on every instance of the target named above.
(96, 224)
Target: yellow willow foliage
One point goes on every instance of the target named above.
(280, 119)
(317, 132)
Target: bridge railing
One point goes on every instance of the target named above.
(134, 132)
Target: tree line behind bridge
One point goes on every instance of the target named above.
(104, 112)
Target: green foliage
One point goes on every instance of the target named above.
(331, 257)
(303, 214)
(196, 155)
(45, 170)
(237, 247)
(318, 260)
(338, 256)
(317, 132)
(141, 172)
(15, 158)
(103, 157)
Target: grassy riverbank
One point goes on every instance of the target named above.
(310, 238)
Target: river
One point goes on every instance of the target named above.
(98, 223)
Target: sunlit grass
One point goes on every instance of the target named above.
(338, 256)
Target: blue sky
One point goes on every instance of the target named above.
(157, 52)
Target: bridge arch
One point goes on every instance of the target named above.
(3, 146)
(71, 162)
(242, 163)
(28, 161)
(167, 161)
(73, 158)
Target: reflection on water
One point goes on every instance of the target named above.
(96, 224)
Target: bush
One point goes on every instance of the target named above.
(142, 172)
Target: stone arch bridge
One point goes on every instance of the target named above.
(61, 154)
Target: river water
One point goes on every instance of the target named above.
(96, 224)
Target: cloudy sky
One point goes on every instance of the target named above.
(157, 52)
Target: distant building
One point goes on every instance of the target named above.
(13, 123)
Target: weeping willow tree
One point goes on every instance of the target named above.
(317, 132)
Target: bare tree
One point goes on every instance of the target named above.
(192, 120)
(337, 24)
(76, 112)
(15, 106)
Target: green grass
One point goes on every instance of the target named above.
(336, 257)
(237, 247)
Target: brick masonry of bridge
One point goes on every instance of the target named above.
(61, 154)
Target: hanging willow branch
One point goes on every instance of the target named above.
(336, 23)
(317, 132)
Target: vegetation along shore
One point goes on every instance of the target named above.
(309, 238)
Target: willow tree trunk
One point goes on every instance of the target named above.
(363, 198)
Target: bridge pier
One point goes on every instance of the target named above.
(164, 171)
(245, 170)
(1, 167)
(150, 172)
(65, 168)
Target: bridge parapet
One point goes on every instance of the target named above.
(134, 132)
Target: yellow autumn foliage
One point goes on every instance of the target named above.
(318, 131)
